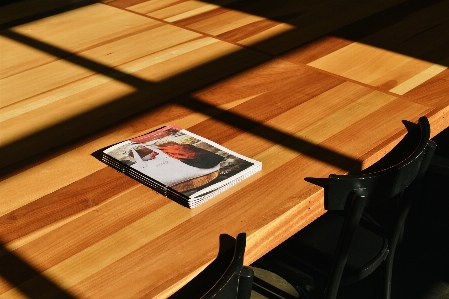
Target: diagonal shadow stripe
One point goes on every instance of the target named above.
(76, 59)
(355, 30)
(13, 268)
(124, 107)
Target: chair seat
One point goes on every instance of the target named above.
(313, 249)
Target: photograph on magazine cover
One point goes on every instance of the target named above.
(180, 159)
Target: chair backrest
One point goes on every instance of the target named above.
(237, 280)
(352, 193)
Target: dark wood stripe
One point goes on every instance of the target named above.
(201, 17)
(315, 49)
(255, 146)
(232, 123)
(260, 79)
(248, 30)
(125, 3)
(94, 226)
(65, 202)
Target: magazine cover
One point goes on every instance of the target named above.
(179, 164)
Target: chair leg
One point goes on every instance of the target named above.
(245, 283)
(388, 273)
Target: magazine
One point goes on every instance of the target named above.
(179, 164)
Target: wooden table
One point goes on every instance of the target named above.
(303, 89)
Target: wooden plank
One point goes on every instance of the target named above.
(378, 67)
(73, 31)
(124, 3)
(179, 9)
(418, 79)
(146, 7)
(224, 22)
(268, 105)
(127, 54)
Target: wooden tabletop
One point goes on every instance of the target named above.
(307, 88)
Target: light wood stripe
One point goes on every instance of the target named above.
(146, 7)
(177, 9)
(197, 11)
(361, 62)
(145, 52)
(419, 79)
(224, 22)
(89, 79)
(58, 31)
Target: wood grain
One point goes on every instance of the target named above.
(138, 52)
(85, 78)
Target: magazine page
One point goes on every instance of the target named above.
(187, 163)
(234, 168)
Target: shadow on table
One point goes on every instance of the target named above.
(14, 270)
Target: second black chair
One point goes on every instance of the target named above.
(349, 242)
(236, 282)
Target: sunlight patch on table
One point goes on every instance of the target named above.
(420, 78)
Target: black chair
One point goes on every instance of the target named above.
(364, 222)
(237, 280)
(440, 161)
